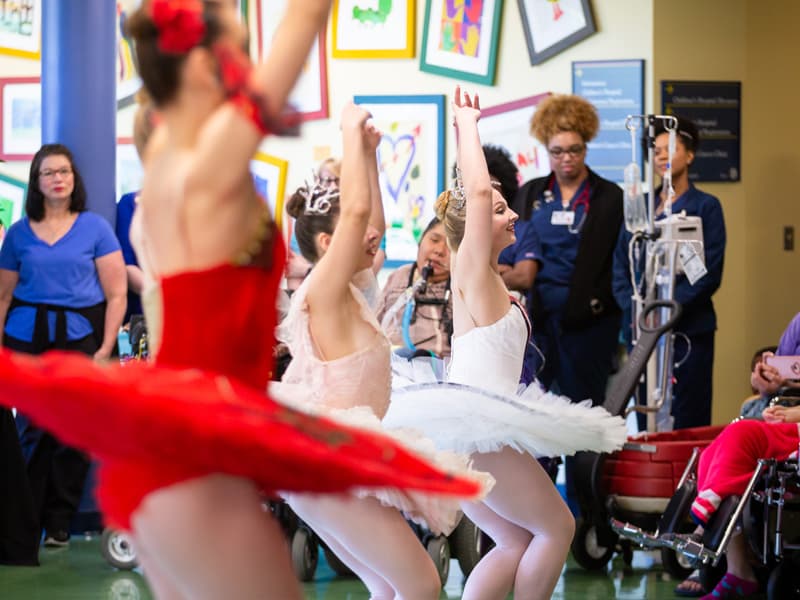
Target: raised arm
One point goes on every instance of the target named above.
(476, 246)
(230, 138)
(345, 254)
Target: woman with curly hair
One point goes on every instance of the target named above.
(575, 216)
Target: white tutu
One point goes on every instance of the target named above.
(438, 513)
(468, 419)
(482, 408)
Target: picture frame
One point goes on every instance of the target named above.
(269, 176)
(462, 45)
(129, 170)
(12, 202)
(411, 165)
(21, 29)
(368, 33)
(508, 125)
(128, 80)
(310, 94)
(20, 117)
(553, 26)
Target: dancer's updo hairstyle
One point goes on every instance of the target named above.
(160, 71)
(452, 217)
(308, 226)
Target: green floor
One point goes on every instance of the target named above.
(80, 573)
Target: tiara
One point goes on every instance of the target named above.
(458, 191)
(318, 195)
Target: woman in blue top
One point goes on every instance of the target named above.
(691, 404)
(62, 286)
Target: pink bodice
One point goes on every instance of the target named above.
(359, 379)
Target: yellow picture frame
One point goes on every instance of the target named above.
(22, 39)
(368, 33)
(269, 175)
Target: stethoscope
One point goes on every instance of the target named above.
(581, 200)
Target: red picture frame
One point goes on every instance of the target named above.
(27, 124)
(320, 110)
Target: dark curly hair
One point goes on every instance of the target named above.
(160, 71)
(502, 168)
(687, 133)
(34, 201)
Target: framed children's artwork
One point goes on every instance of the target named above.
(552, 26)
(129, 169)
(128, 82)
(21, 28)
(374, 29)
(508, 125)
(411, 166)
(20, 118)
(269, 176)
(310, 94)
(12, 201)
(460, 39)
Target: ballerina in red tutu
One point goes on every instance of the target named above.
(186, 443)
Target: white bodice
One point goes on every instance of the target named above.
(490, 357)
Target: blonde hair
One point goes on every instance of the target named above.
(452, 218)
(563, 113)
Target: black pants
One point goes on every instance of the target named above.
(19, 523)
(56, 472)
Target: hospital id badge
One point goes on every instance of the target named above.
(563, 217)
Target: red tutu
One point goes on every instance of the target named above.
(153, 425)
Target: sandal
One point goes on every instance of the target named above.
(691, 587)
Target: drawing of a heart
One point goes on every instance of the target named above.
(395, 157)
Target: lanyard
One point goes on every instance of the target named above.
(582, 198)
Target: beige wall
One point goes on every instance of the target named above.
(747, 41)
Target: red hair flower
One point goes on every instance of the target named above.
(180, 24)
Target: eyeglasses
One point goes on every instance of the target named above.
(558, 151)
(63, 172)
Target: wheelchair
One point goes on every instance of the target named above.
(767, 514)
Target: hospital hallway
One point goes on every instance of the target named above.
(80, 573)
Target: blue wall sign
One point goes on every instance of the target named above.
(716, 109)
(616, 88)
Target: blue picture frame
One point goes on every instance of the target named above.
(413, 127)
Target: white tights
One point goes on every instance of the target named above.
(530, 525)
(209, 538)
(375, 542)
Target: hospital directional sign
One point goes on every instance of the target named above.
(716, 109)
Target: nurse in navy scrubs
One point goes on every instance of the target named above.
(691, 403)
(575, 216)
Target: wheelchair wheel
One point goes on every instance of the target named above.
(117, 549)
(586, 549)
(676, 564)
(468, 545)
(305, 554)
(783, 582)
(336, 565)
(439, 550)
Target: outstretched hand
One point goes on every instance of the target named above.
(354, 117)
(466, 107)
(372, 136)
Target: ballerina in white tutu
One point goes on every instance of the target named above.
(479, 410)
(341, 369)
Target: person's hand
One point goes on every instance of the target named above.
(354, 117)
(466, 108)
(766, 378)
(372, 136)
(781, 414)
(102, 355)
